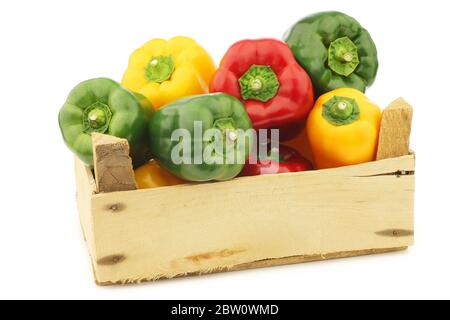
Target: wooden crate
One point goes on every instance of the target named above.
(248, 222)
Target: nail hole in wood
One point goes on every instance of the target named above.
(116, 207)
(111, 260)
(395, 233)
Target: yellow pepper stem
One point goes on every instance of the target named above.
(160, 69)
(341, 111)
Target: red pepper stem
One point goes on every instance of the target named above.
(259, 83)
(256, 84)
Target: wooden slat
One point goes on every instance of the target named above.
(85, 189)
(395, 130)
(267, 263)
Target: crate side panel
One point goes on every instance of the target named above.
(167, 232)
(85, 190)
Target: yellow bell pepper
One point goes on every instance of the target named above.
(164, 71)
(151, 175)
(343, 129)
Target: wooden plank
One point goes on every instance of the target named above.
(302, 259)
(267, 263)
(85, 189)
(395, 130)
(253, 221)
(112, 164)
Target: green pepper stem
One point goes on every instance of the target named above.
(231, 135)
(96, 118)
(343, 56)
(227, 128)
(347, 57)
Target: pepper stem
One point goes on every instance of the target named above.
(96, 118)
(347, 57)
(343, 56)
(341, 111)
(228, 130)
(259, 83)
(159, 69)
(231, 135)
(342, 105)
(256, 84)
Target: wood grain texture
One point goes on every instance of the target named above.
(395, 130)
(249, 222)
(86, 188)
(112, 164)
(267, 263)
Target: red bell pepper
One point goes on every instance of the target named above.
(265, 76)
(279, 160)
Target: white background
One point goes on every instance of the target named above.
(47, 47)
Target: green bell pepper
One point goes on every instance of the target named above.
(181, 142)
(103, 106)
(335, 50)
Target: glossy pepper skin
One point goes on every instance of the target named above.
(335, 50)
(151, 175)
(166, 70)
(264, 75)
(343, 129)
(301, 144)
(104, 106)
(212, 111)
(279, 160)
